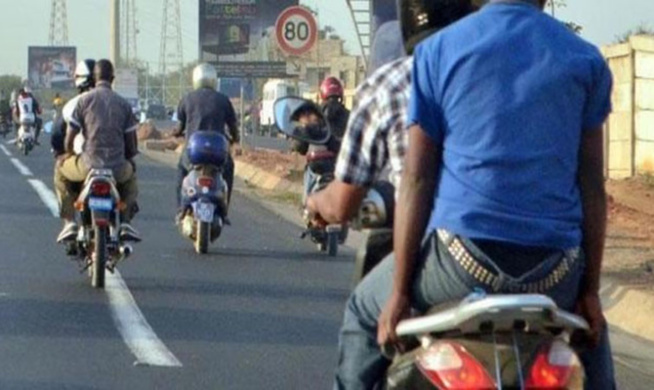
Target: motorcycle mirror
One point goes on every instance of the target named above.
(301, 119)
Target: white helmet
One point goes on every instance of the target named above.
(205, 76)
(84, 74)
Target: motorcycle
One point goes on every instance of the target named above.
(98, 246)
(320, 164)
(26, 137)
(204, 190)
(489, 342)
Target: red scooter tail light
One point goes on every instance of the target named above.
(449, 366)
(556, 367)
(206, 182)
(100, 188)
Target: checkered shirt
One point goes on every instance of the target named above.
(376, 133)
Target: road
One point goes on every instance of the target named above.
(262, 310)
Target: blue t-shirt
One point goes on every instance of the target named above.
(507, 93)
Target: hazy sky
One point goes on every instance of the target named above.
(26, 23)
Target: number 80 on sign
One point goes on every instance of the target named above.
(296, 30)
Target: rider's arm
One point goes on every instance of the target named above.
(131, 139)
(71, 133)
(414, 204)
(232, 123)
(181, 118)
(338, 202)
(593, 199)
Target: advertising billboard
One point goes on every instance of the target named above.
(238, 37)
(51, 67)
(126, 83)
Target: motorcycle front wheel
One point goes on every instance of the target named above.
(202, 237)
(99, 257)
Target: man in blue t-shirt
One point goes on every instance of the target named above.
(504, 178)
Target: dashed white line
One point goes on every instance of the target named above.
(24, 170)
(47, 196)
(5, 151)
(133, 327)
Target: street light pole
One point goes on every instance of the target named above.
(114, 45)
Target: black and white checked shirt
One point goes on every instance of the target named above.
(377, 131)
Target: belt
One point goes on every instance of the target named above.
(490, 278)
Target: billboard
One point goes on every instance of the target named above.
(51, 67)
(238, 37)
(126, 84)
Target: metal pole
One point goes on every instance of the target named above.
(242, 118)
(114, 46)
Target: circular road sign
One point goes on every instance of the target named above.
(296, 30)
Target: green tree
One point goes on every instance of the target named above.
(9, 83)
(553, 5)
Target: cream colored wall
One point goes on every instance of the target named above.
(629, 140)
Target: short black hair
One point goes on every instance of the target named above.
(103, 71)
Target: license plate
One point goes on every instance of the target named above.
(204, 212)
(100, 204)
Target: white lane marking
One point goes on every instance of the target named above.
(25, 171)
(136, 332)
(47, 196)
(5, 151)
(132, 325)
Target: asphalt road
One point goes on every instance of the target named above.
(261, 311)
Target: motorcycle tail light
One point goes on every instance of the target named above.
(556, 367)
(449, 366)
(205, 182)
(100, 188)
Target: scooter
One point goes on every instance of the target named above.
(320, 164)
(204, 190)
(489, 342)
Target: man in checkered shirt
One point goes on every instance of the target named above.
(376, 134)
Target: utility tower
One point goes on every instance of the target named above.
(58, 24)
(171, 58)
(129, 33)
(361, 12)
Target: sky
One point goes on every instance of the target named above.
(88, 21)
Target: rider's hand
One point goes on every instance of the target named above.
(313, 214)
(590, 307)
(397, 308)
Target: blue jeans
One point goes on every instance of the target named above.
(440, 279)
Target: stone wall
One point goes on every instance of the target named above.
(629, 133)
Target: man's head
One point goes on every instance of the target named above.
(421, 18)
(103, 71)
(84, 80)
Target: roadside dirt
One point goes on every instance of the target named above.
(629, 256)
(289, 166)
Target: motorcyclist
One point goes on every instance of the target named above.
(205, 109)
(109, 127)
(502, 177)
(27, 110)
(84, 82)
(57, 104)
(332, 95)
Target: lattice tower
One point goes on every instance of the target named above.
(58, 24)
(171, 58)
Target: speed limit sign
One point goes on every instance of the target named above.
(296, 30)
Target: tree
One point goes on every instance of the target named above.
(9, 83)
(640, 30)
(552, 5)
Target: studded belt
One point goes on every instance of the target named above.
(490, 278)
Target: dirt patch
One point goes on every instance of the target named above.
(630, 239)
(289, 166)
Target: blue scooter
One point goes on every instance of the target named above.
(204, 190)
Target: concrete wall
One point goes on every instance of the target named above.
(629, 135)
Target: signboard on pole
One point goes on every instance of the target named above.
(238, 37)
(126, 84)
(51, 67)
(296, 31)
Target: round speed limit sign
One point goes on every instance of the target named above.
(296, 30)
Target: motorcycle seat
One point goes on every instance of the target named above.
(498, 312)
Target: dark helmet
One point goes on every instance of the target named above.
(84, 75)
(331, 87)
(421, 18)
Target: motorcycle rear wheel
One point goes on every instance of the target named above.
(202, 237)
(99, 257)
